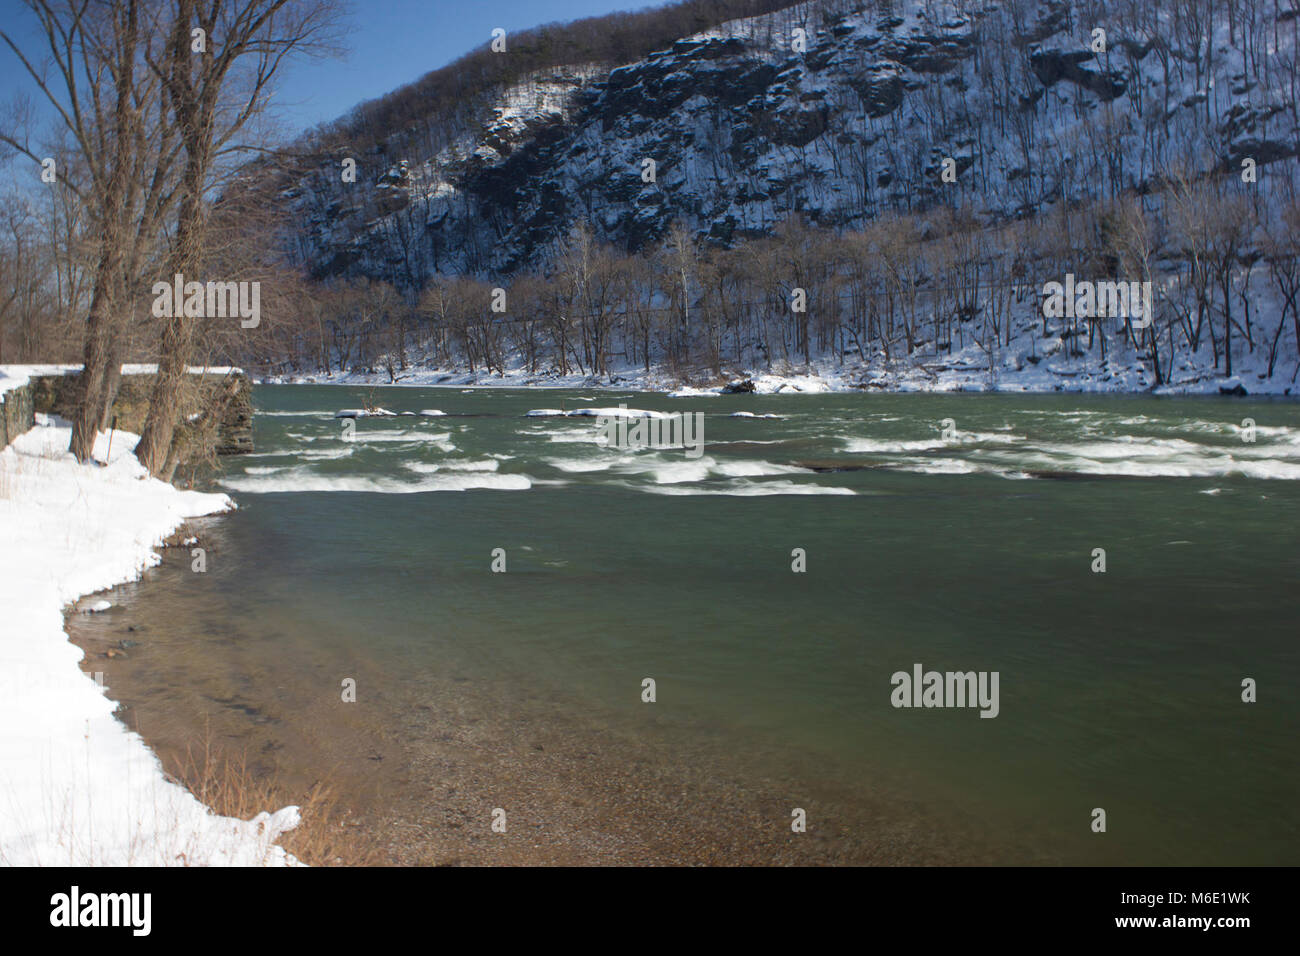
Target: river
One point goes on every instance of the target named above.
(770, 583)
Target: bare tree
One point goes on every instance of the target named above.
(102, 98)
(210, 45)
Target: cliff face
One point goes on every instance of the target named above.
(834, 110)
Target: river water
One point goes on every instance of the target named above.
(954, 532)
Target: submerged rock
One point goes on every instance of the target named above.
(827, 465)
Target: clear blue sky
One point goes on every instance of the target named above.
(391, 43)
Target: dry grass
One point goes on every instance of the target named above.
(184, 532)
(13, 468)
(329, 834)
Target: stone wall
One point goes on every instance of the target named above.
(17, 413)
(57, 395)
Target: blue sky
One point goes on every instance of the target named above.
(392, 42)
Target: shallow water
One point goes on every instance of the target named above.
(370, 558)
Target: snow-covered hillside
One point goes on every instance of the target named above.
(881, 194)
(839, 111)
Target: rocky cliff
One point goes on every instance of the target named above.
(837, 111)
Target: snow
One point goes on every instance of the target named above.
(1025, 362)
(773, 384)
(364, 413)
(824, 178)
(1022, 370)
(76, 787)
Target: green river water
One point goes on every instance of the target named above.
(369, 555)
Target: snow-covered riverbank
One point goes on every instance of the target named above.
(1028, 365)
(76, 787)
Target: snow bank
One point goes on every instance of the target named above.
(690, 391)
(76, 787)
(773, 384)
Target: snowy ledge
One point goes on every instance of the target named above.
(16, 376)
(76, 787)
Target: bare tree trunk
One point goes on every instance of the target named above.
(164, 401)
(86, 419)
(193, 87)
(195, 126)
(99, 346)
(112, 380)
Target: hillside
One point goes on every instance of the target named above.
(745, 131)
(1003, 145)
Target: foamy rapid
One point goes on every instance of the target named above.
(748, 489)
(300, 480)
